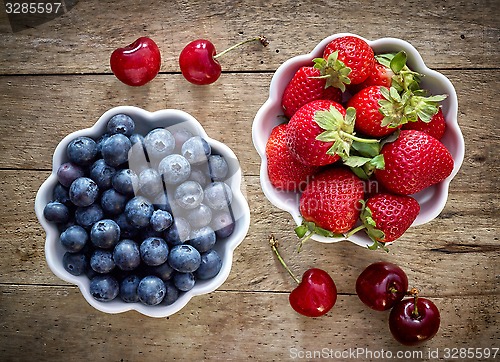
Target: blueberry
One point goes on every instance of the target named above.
(199, 216)
(83, 192)
(217, 196)
(154, 251)
(137, 138)
(181, 136)
(75, 263)
(151, 290)
(115, 150)
(218, 167)
(137, 158)
(100, 141)
(159, 143)
(105, 234)
(172, 293)
(138, 211)
(163, 271)
(102, 261)
(210, 266)
(196, 150)
(89, 215)
(82, 150)
(184, 281)
(150, 183)
(69, 172)
(223, 224)
(149, 232)
(125, 181)
(127, 230)
(161, 202)
(112, 202)
(128, 289)
(188, 195)
(174, 169)
(202, 239)
(126, 254)
(74, 238)
(56, 212)
(104, 288)
(178, 232)
(102, 174)
(121, 123)
(61, 194)
(161, 220)
(200, 176)
(184, 258)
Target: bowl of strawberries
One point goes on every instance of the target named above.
(359, 140)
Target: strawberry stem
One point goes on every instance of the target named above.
(362, 140)
(262, 39)
(303, 240)
(274, 246)
(355, 230)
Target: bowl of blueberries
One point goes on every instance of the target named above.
(142, 211)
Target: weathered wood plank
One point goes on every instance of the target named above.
(459, 249)
(458, 35)
(37, 112)
(50, 324)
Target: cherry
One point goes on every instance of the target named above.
(137, 63)
(414, 320)
(315, 294)
(198, 60)
(381, 285)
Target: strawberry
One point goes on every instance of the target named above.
(305, 87)
(436, 127)
(386, 217)
(331, 200)
(380, 75)
(369, 120)
(346, 60)
(303, 130)
(413, 162)
(285, 172)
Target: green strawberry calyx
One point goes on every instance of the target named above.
(307, 229)
(339, 130)
(370, 227)
(405, 101)
(333, 70)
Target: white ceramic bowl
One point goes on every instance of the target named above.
(146, 121)
(432, 200)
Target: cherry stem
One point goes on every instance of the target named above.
(274, 246)
(262, 39)
(414, 293)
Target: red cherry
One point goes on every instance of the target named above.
(315, 295)
(198, 64)
(137, 63)
(381, 285)
(414, 320)
(198, 60)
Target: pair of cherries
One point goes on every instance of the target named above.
(139, 63)
(381, 286)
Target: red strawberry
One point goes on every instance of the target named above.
(303, 130)
(285, 172)
(303, 88)
(380, 75)
(355, 54)
(332, 200)
(369, 118)
(413, 162)
(436, 127)
(386, 217)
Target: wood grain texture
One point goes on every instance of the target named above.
(208, 329)
(461, 34)
(55, 79)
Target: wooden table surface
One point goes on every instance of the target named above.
(55, 79)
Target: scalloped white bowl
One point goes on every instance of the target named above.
(432, 200)
(146, 121)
